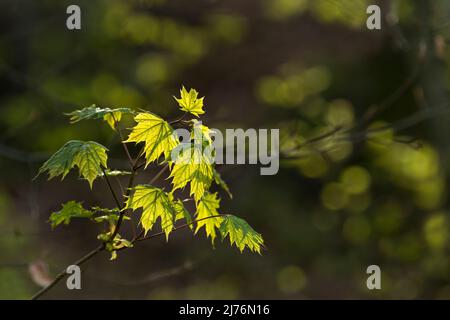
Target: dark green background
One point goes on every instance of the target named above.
(355, 198)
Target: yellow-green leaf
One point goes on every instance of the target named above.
(69, 210)
(111, 116)
(89, 159)
(189, 102)
(182, 213)
(155, 204)
(88, 156)
(193, 167)
(157, 134)
(241, 234)
(207, 208)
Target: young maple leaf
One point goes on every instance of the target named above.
(193, 167)
(155, 204)
(189, 102)
(240, 234)
(181, 212)
(88, 156)
(69, 210)
(156, 133)
(207, 208)
(111, 116)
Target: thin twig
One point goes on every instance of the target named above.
(179, 119)
(111, 188)
(100, 248)
(121, 207)
(63, 273)
(156, 177)
(130, 159)
(127, 194)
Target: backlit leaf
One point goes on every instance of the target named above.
(155, 204)
(206, 208)
(193, 167)
(241, 234)
(71, 209)
(111, 116)
(189, 102)
(157, 134)
(88, 156)
(182, 213)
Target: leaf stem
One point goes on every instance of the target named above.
(127, 194)
(121, 207)
(159, 174)
(116, 125)
(111, 188)
(179, 119)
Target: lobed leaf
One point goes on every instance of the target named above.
(155, 204)
(194, 167)
(207, 208)
(157, 134)
(71, 209)
(111, 116)
(182, 213)
(241, 234)
(189, 102)
(88, 156)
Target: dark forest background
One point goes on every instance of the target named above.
(365, 140)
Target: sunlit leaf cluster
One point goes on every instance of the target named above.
(191, 174)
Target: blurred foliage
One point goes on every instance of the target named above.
(364, 137)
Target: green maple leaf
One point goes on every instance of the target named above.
(182, 213)
(189, 102)
(207, 208)
(71, 209)
(157, 134)
(193, 167)
(88, 156)
(241, 234)
(111, 116)
(155, 204)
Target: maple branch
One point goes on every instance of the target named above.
(122, 212)
(127, 194)
(100, 248)
(63, 273)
